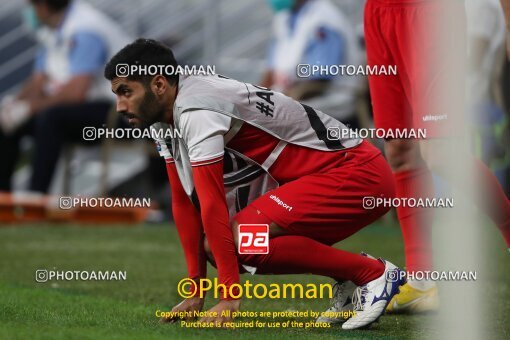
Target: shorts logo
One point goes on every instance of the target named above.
(253, 239)
(434, 118)
(280, 202)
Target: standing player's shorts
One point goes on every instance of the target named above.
(425, 40)
(328, 206)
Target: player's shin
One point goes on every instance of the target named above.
(286, 257)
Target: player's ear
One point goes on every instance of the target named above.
(159, 85)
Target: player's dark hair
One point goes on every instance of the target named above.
(144, 52)
(54, 5)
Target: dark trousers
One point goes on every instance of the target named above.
(51, 129)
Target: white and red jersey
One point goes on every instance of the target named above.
(244, 182)
(250, 128)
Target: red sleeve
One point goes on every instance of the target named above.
(189, 226)
(210, 189)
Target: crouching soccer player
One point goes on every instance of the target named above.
(247, 154)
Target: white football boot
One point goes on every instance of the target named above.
(341, 304)
(371, 299)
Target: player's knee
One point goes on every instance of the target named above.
(235, 232)
(208, 253)
(207, 248)
(403, 154)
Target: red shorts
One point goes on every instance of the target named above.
(428, 90)
(327, 207)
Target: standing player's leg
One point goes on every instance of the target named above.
(392, 110)
(491, 199)
(439, 85)
(412, 179)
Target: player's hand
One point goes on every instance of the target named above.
(187, 305)
(224, 310)
(13, 113)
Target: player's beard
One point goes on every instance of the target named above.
(153, 111)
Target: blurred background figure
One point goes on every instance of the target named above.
(313, 32)
(486, 39)
(66, 91)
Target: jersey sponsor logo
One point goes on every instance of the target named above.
(253, 239)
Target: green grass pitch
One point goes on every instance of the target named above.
(152, 257)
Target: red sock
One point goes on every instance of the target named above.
(302, 255)
(493, 200)
(416, 223)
